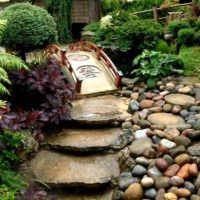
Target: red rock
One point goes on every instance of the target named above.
(193, 170)
(172, 170)
(184, 171)
(186, 132)
(176, 109)
(159, 103)
(164, 93)
(150, 95)
(155, 109)
(158, 97)
(160, 194)
(146, 103)
(161, 164)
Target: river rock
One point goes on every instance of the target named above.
(185, 90)
(162, 182)
(176, 109)
(194, 150)
(176, 151)
(143, 123)
(165, 119)
(169, 159)
(196, 125)
(146, 103)
(183, 192)
(142, 161)
(138, 146)
(176, 181)
(150, 193)
(154, 173)
(147, 182)
(133, 106)
(170, 196)
(184, 113)
(167, 143)
(134, 191)
(161, 164)
(167, 107)
(139, 171)
(135, 96)
(160, 194)
(193, 170)
(197, 182)
(179, 99)
(141, 133)
(195, 197)
(182, 159)
(181, 140)
(172, 170)
(126, 179)
(184, 171)
(191, 187)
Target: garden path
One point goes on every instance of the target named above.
(83, 162)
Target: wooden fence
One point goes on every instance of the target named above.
(156, 10)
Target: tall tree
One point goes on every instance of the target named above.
(61, 11)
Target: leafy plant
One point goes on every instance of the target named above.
(45, 90)
(151, 65)
(28, 28)
(186, 36)
(10, 181)
(175, 26)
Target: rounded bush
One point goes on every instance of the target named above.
(29, 27)
(186, 36)
(175, 26)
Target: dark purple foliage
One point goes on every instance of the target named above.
(44, 89)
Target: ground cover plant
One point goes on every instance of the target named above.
(151, 65)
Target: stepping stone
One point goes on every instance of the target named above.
(87, 195)
(85, 140)
(165, 119)
(61, 170)
(98, 110)
(180, 99)
(186, 80)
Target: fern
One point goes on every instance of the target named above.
(11, 62)
(2, 104)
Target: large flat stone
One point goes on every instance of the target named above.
(87, 195)
(61, 170)
(182, 80)
(165, 119)
(86, 140)
(180, 99)
(98, 110)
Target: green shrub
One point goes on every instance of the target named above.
(151, 65)
(186, 36)
(175, 26)
(92, 27)
(129, 33)
(162, 46)
(191, 59)
(198, 23)
(29, 27)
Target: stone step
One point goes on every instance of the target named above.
(62, 170)
(86, 195)
(90, 140)
(99, 110)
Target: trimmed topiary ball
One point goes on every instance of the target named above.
(29, 27)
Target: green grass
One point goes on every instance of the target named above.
(191, 59)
